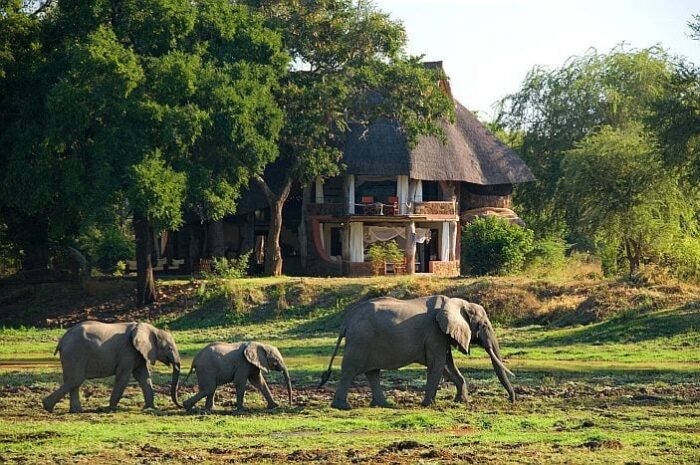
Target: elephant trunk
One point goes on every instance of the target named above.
(288, 382)
(174, 384)
(502, 373)
(491, 345)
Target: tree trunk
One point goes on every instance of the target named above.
(145, 282)
(217, 245)
(273, 253)
(35, 245)
(303, 245)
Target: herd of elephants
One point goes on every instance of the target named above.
(380, 334)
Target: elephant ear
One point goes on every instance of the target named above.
(145, 342)
(451, 321)
(257, 355)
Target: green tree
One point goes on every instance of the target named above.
(163, 105)
(614, 183)
(554, 109)
(676, 117)
(350, 68)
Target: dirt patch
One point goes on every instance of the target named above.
(598, 444)
(399, 446)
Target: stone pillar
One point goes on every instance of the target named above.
(411, 248)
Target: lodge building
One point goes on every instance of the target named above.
(418, 197)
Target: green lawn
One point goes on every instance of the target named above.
(626, 390)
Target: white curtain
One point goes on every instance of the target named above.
(422, 236)
(350, 193)
(374, 234)
(319, 190)
(418, 196)
(453, 240)
(402, 193)
(445, 242)
(357, 248)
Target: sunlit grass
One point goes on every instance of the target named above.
(626, 390)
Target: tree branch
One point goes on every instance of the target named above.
(271, 196)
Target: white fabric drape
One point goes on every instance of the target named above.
(418, 196)
(453, 240)
(374, 234)
(319, 190)
(350, 193)
(357, 248)
(422, 235)
(445, 242)
(402, 193)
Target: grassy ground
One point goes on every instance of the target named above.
(625, 389)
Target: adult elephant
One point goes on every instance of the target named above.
(92, 349)
(387, 333)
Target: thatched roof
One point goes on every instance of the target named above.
(471, 154)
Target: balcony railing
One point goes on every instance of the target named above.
(438, 208)
(326, 209)
(435, 208)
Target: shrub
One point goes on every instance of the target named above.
(109, 246)
(229, 268)
(492, 245)
(548, 254)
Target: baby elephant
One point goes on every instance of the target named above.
(221, 363)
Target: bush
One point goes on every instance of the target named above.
(380, 253)
(492, 245)
(225, 268)
(107, 247)
(548, 253)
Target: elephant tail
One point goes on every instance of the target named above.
(192, 369)
(58, 346)
(326, 376)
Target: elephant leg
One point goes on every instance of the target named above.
(436, 362)
(75, 400)
(209, 403)
(258, 382)
(340, 400)
(144, 379)
(189, 403)
(453, 373)
(240, 395)
(121, 380)
(52, 399)
(73, 377)
(378, 399)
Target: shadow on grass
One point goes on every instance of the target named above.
(629, 328)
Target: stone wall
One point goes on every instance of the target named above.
(444, 268)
